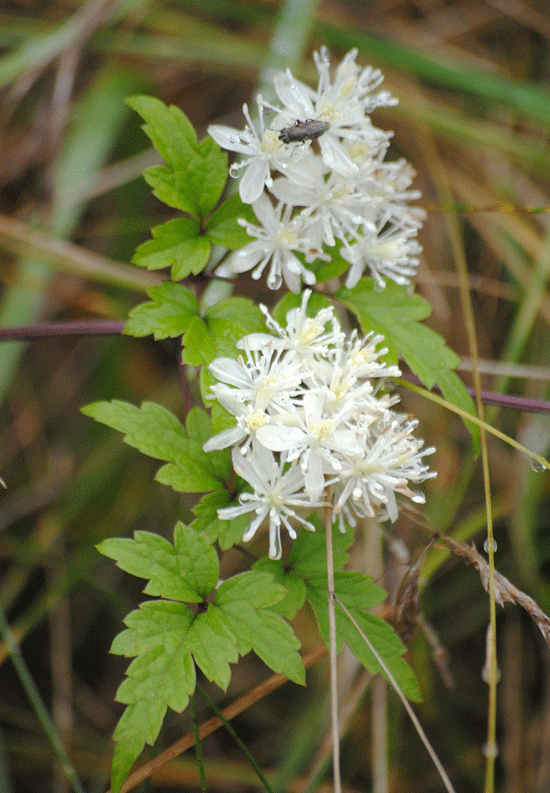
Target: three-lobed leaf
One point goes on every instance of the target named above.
(167, 315)
(176, 244)
(156, 432)
(244, 602)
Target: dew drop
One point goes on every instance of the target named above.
(487, 545)
(418, 497)
(537, 466)
(490, 749)
(486, 677)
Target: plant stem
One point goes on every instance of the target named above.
(333, 655)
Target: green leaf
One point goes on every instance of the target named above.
(396, 314)
(354, 589)
(198, 560)
(196, 174)
(172, 189)
(208, 174)
(388, 645)
(326, 271)
(244, 602)
(168, 315)
(309, 553)
(357, 592)
(162, 676)
(187, 572)
(227, 532)
(169, 130)
(357, 596)
(198, 343)
(154, 253)
(213, 646)
(217, 334)
(156, 432)
(293, 583)
(176, 244)
(222, 227)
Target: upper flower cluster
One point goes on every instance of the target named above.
(344, 194)
(311, 428)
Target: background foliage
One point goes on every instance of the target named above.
(474, 119)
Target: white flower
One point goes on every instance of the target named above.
(316, 440)
(333, 206)
(390, 459)
(305, 336)
(275, 496)
(314, 425)
(257, 379)
(277, 236)
(391, 254)
(341, 102)
(262, 149)
(249, 421)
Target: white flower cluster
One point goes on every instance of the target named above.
(345, 195)
(311, 428)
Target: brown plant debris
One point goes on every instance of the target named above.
(505, 592)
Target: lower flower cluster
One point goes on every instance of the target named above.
(314, 426)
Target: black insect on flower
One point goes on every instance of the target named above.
(304, 130)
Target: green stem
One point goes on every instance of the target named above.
(244, 749)
(36, 701)
(333, 655)
(198, 747)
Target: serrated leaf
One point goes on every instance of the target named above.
(254, 589)
(198, 343)
(168, 128)
(156, 432)
(222, 227)
(388, 645)
(244, 603)
(194, 258)
(292, 582)
(135, 728)
(176, 244)
(199, 560)
(226, 532)
(187, 572)
(208, 174)
(240, 311)
(380, 633)
(216, 334)
(354, 589)
(396, 314)
(168, 315)
(172, 189)
(162, 676)
(196, 173)
(213, 646)
(154, 253)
